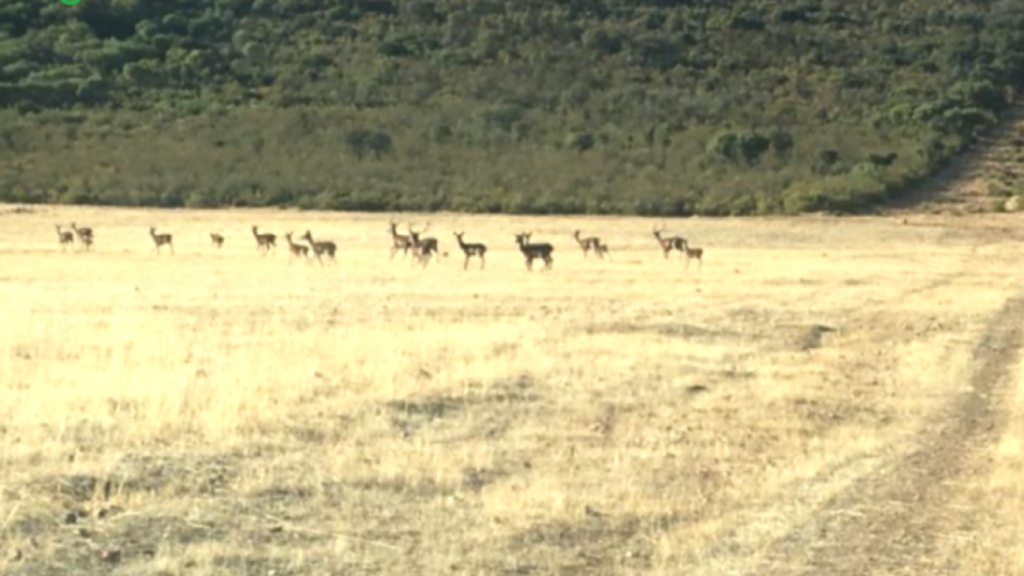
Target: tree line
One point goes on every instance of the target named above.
(660, 107)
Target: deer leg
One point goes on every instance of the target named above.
(465, 265)
(482, 262)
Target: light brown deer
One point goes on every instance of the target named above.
(160, 240)
(326, 247)
(400, 242)
(217, 240)
(66, 238)
(669, 244)
(297, 250)
(694, 253)
(84, 235)
(264, 242)
(588, 244)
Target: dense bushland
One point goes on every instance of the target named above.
(599, 106)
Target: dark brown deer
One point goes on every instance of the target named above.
(400, 242)
(264, 242)
(217, 240)
(471, 250)
(588, 244)
(160, 240)
(326, 247)
(66, 238)
(669, 244)
(534, 251)
(297, 250)
(422, 248)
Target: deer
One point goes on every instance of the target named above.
(422, 248)
(84, 235)
(669, 244)
(326, 247)
(400, 242)
(588, 244)
(297, 250)
(694, 253)
(159, 240)
(470, 250)
(86, 242)
(534, 251)
(217, 240)
(66, 238)
(264, 242)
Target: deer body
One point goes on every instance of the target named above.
(591, 243)
(84, 235)
(297, 250)
(66, 238)
(160, 240)
(534, 251)
(471, 250)
(264, 242)
(669, 244)
(694, 253)
(400, 242)
(422, 248)
(326, 247)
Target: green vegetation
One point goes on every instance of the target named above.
(599, 106)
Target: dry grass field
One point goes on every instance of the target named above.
(827, 396)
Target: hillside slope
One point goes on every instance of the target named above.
(988, 177)
(599, 106)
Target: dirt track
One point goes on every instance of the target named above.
(893, 520)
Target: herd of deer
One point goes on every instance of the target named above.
(413, 242)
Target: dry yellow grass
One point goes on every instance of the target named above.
(219, 412)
